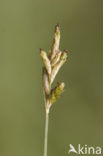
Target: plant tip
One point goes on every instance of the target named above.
(40, 50)
(66, 51)
(57, 27)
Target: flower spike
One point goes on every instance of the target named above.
(52, 65)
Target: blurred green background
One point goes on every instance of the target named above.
(77, 117)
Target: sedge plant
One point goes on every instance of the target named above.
(52, 64)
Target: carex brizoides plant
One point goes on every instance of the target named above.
(52, 64)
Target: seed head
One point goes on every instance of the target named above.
(52, 65)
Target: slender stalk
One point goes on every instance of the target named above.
(46, 133)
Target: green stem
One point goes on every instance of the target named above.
(46, 134)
